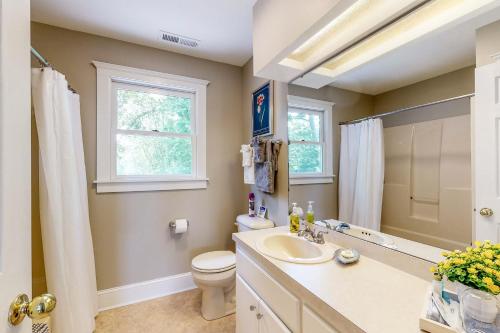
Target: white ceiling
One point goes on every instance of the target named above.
(422, 59)
(223, 27)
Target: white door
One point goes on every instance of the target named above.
(268, 321)
(486, 129)
(15, 158)
(246, 308)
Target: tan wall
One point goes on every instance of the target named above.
(487, 43)
(39, 285)
(130, 232)
(348, 105)
(276, 203)
(456, 83)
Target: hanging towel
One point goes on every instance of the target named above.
(248, 164)
(265, 173)
(259, 150)
(246, 155)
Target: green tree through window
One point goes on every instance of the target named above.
(153, 133)
(305, 149)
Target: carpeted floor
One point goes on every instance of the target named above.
(178, 313)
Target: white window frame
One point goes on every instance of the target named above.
(108, 77)
(326, 140)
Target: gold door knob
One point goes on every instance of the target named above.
(486, 212)
(38, 308)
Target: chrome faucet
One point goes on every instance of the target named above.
(319, 237)
(307, 233)
(311, 236)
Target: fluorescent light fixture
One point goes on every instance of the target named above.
(330, 28)
(433, 17)
(357, 21)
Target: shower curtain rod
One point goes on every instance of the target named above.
(44, 63)
(405, 109)
(40, 58)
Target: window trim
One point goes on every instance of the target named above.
(107, 180)
(326, 136)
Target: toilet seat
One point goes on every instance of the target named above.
(214, 262)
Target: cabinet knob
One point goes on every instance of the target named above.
(252, 307)
(259, 315)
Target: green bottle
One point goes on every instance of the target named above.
(294, 219)
(310, 214)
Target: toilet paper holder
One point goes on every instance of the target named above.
(172, 225)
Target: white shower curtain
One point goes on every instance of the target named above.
(361, 175)
(67, 241)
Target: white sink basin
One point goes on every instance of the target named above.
(290, 248)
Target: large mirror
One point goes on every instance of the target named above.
(384, 152)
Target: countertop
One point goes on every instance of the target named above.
(373, 296)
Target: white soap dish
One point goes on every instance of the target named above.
(346, 256)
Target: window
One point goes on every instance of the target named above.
(310, 141)
(150, 130)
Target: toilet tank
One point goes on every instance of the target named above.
(247, 223)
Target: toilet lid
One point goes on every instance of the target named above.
(215, 261)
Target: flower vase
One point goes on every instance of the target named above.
(477, 304)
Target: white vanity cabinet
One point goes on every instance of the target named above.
(269, 322)
(311, 322)
(263, 305)
(252, 314)
(247, 304)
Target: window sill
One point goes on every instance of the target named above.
(307, 180)
(143, 186)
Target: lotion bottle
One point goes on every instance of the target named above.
(294, 219)
(310, 214)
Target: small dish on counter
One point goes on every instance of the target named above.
(346, 256)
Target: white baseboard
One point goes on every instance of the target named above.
(142, 291)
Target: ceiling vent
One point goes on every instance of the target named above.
(177, 39)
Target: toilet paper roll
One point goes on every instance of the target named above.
(181, 226)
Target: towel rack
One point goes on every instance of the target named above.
(277, 141)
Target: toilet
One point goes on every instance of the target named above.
(215, 273)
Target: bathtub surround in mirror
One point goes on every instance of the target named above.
(427, 187)
(420, 147)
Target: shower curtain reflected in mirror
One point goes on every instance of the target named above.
(361, 175)
(67, 241)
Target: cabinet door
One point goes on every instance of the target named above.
(311, 323)
(269, 322)
(247, 305)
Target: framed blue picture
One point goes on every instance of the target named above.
(262, 110)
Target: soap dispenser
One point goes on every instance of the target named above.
(310, 214)
(294, 219)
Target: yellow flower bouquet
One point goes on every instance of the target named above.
(477, 267)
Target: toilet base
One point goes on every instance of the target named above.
(218, 293)
(218, 302)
